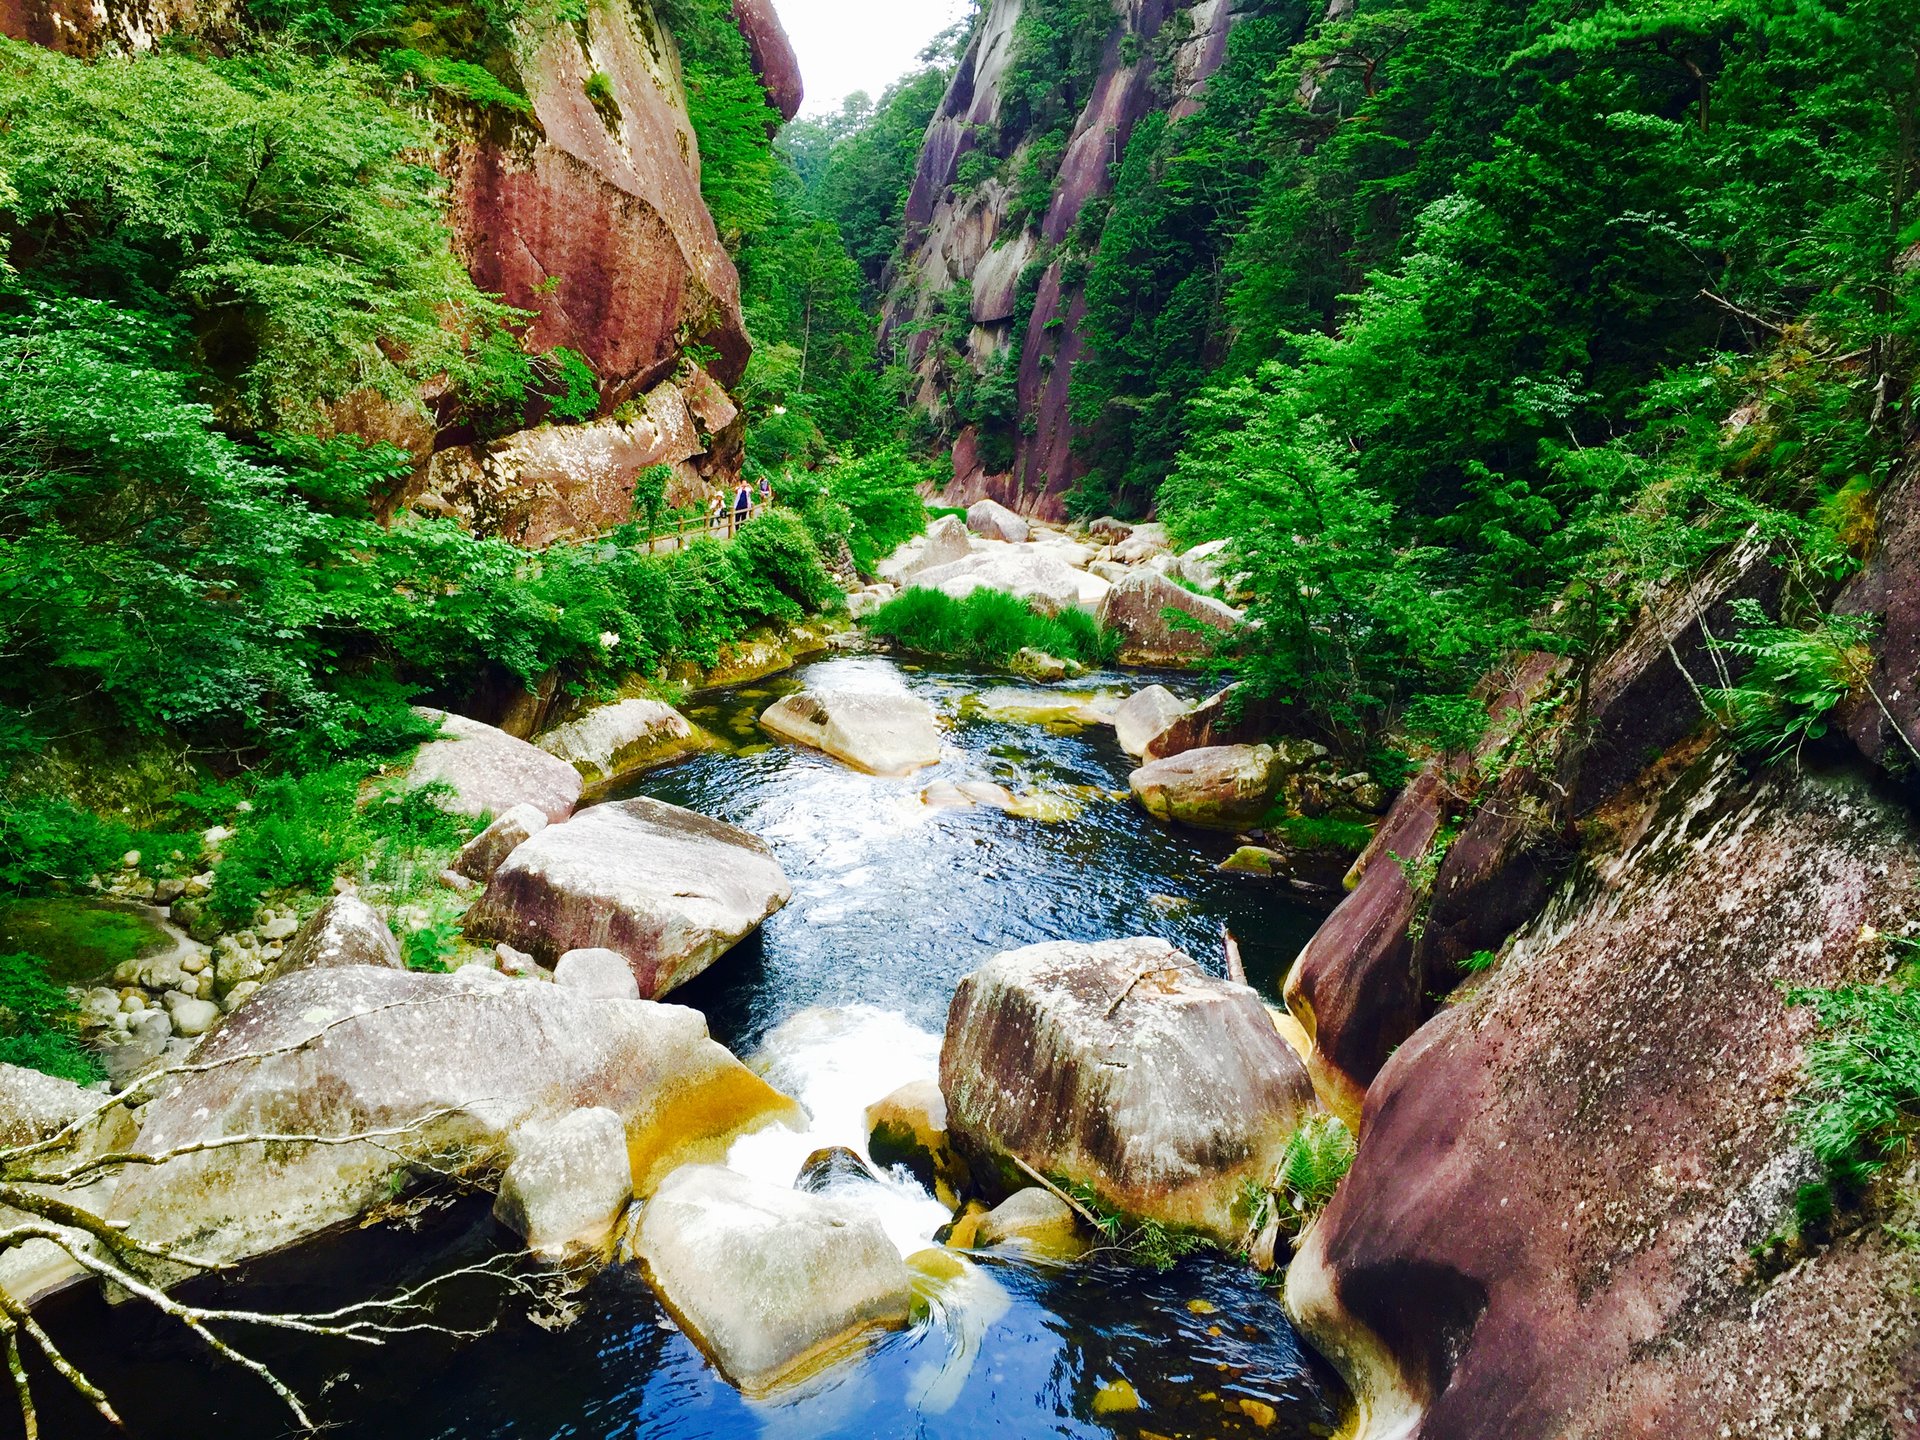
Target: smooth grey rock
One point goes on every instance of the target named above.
(610, 742)
(1145, 715)
(192, 1017)
(1120, 1065)
(883, 734)
(445, 1066)
(669, 889)
(1217, 787)
(1030, 573)
(490, 771)
(602, 974)
(996, 522)
(1137, 606)
(344, 931)
(567, 1186)
(766, 1280)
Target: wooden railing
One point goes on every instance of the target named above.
(671, 535)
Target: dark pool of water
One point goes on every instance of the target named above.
(893, 902)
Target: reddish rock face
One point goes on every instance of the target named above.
(773, 58)
(1564, 1176)
(596, 222)
(85, 27)
(952, 237)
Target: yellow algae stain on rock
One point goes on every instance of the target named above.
(695, 1120)
(1116, 1397)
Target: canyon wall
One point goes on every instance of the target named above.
(1025, 272)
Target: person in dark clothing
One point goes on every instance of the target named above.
(742, 505)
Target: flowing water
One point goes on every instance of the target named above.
(899, 889)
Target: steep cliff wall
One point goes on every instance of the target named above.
(1580, 1202)
(1003, 217)
(585, 212)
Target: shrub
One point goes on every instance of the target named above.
(1316, 1160)
(36, 1023)
(1797, 676)
(1863, 1071)
(989, 627)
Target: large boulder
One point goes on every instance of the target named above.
(670, 890)
(1137, 606)
(36, 1107)
(1353, 986)
(1572, 1207)
(612, 742)
(768, 1281)
(435, 1072)
(1227, 717)
(1884, 722)
(1222, 787)
(1201, 565)
(883, 733)
(994, 521)
(1145, 715)
(344, 931)
(567, 1185)
(602, 973)
(490, 772)
(1035, 575)
(945, 542)
(1120, 1065)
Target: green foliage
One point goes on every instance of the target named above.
(78, 940)
(1795, 677)
(878, 496)
(1863, 1072)
(1147, 1242)
(276, 219)
(459, 78)
(44, 840)
(1324, 832)
(1479, 961)
(730, 115)
(989, 627)
(36, 1023)
(1315, 1161)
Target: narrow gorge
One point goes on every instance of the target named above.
(1200, 721)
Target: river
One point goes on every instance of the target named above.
(840, 999)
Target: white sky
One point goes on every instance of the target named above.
(848, 45)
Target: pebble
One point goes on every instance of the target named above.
(281, 927)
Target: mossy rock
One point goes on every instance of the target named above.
(80, 940)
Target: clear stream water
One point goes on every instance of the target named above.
(840, 999)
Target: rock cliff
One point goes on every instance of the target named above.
(974, 235)
(586, 212)
(1578, 1204)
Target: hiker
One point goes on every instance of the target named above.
(742, 505)
(716, 513)
(766, 490)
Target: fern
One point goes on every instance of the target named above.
(1864, 1069)
(1797, 677)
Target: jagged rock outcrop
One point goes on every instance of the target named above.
(958, 233)
(773, 58)
(1567, 1179)
(1120, 1065)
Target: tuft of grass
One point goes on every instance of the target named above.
(989, 627)
(1319, 832)
(1863, 1095)
(1148, 1242)
(1797, 676)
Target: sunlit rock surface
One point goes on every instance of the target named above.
(770, 1283)
(670, 890)
(434, 1071)
(1121, 1065)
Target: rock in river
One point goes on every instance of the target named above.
(446, 1067)
(490, 772)
(610, 742)
(1137, 607)
(1144, 716)
(1120, 1064)
(567, 1185)
(669, 889)
(1222, 787)
(883, 733)
(769, 1283)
